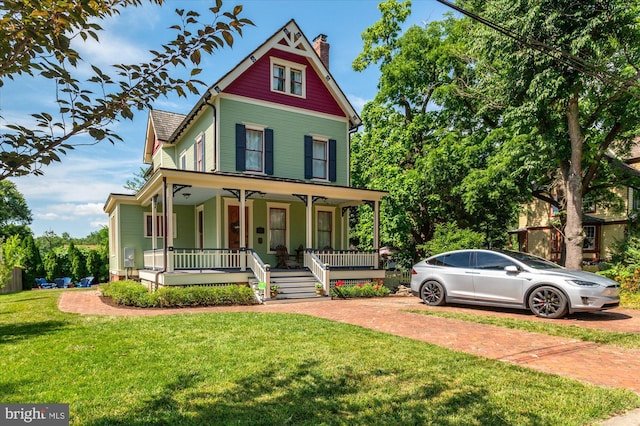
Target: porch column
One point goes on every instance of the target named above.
(309, 239)
(243, 231)
(376, 232)
(154, 229)
(168, 228)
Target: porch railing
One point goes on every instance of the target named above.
(261, 270)
(348, 258)
(192, 258)
(319, 269)
(154, 259)
(226, 258)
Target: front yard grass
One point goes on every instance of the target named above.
(259, 368)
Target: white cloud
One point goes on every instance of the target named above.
(357, 102)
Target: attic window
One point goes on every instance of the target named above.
(288, 78)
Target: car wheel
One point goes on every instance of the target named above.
(548, 302)
(433, 293)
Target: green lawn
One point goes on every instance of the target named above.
(626, 340)
(257, 368)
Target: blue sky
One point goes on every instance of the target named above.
(71, 194)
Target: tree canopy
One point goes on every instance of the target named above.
(469, 121)
(15, 215)
(37, 41)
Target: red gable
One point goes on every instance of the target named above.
(255, 83)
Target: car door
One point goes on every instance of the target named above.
(492, 283)
(455, 274)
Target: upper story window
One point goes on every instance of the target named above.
(183, 160)
(199, 154)
(254, 151)
(320, 159)
(288, 77)
(254, 148)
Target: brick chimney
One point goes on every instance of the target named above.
(321, 47)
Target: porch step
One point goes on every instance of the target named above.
(296, 284)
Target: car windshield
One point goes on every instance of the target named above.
(531, 261)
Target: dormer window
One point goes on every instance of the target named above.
(287, 78)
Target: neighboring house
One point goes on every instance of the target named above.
(602, 227)
(253, 179)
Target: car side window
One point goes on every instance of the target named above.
(492, 261)
(452, 260)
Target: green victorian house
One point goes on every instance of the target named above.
(252, 185)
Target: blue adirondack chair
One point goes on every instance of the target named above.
(66, 282)
(85, 282)
(59, 282)
(42, 283)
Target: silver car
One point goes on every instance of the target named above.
(511, 280)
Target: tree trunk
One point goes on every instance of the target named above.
(572, 176)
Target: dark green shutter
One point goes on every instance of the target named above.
(268, 151)
(308, 157)
(332, 160)
(241, 147)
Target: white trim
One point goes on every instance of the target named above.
(285, 207)
(326, 159)
(202, 153)
(288, 108)
(288, 67)
(182, 161)
(331, 210)
(225, 222)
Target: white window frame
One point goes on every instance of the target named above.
(281, 206)
(148, 233)
(331, 210)
(183, 160)
(288, 67)
(326, 158)
(199, 153)
(248, 127)
(594, 238)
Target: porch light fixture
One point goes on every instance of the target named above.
(186, 195)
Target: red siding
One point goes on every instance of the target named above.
(255, 83)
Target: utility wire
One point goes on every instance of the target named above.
(556, 54)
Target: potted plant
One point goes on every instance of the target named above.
(274, 291)
(319, 289)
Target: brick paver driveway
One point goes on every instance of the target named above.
(590, 362)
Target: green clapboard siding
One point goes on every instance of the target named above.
(289, 129)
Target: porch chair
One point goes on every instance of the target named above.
(84, 282)
(286, 260)
(58, 282)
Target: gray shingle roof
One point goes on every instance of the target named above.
(165, 123)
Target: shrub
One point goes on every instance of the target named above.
(449, 236)
(131, 293)
(359, 290)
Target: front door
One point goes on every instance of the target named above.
(233, 226)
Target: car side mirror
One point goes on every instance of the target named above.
(512, 269)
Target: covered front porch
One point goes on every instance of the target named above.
(241, 225)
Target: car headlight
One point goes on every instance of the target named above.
(581, 283)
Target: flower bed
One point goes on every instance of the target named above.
(359, 290)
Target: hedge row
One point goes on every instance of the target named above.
(132, 293)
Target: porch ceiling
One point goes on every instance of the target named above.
(203, 186)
